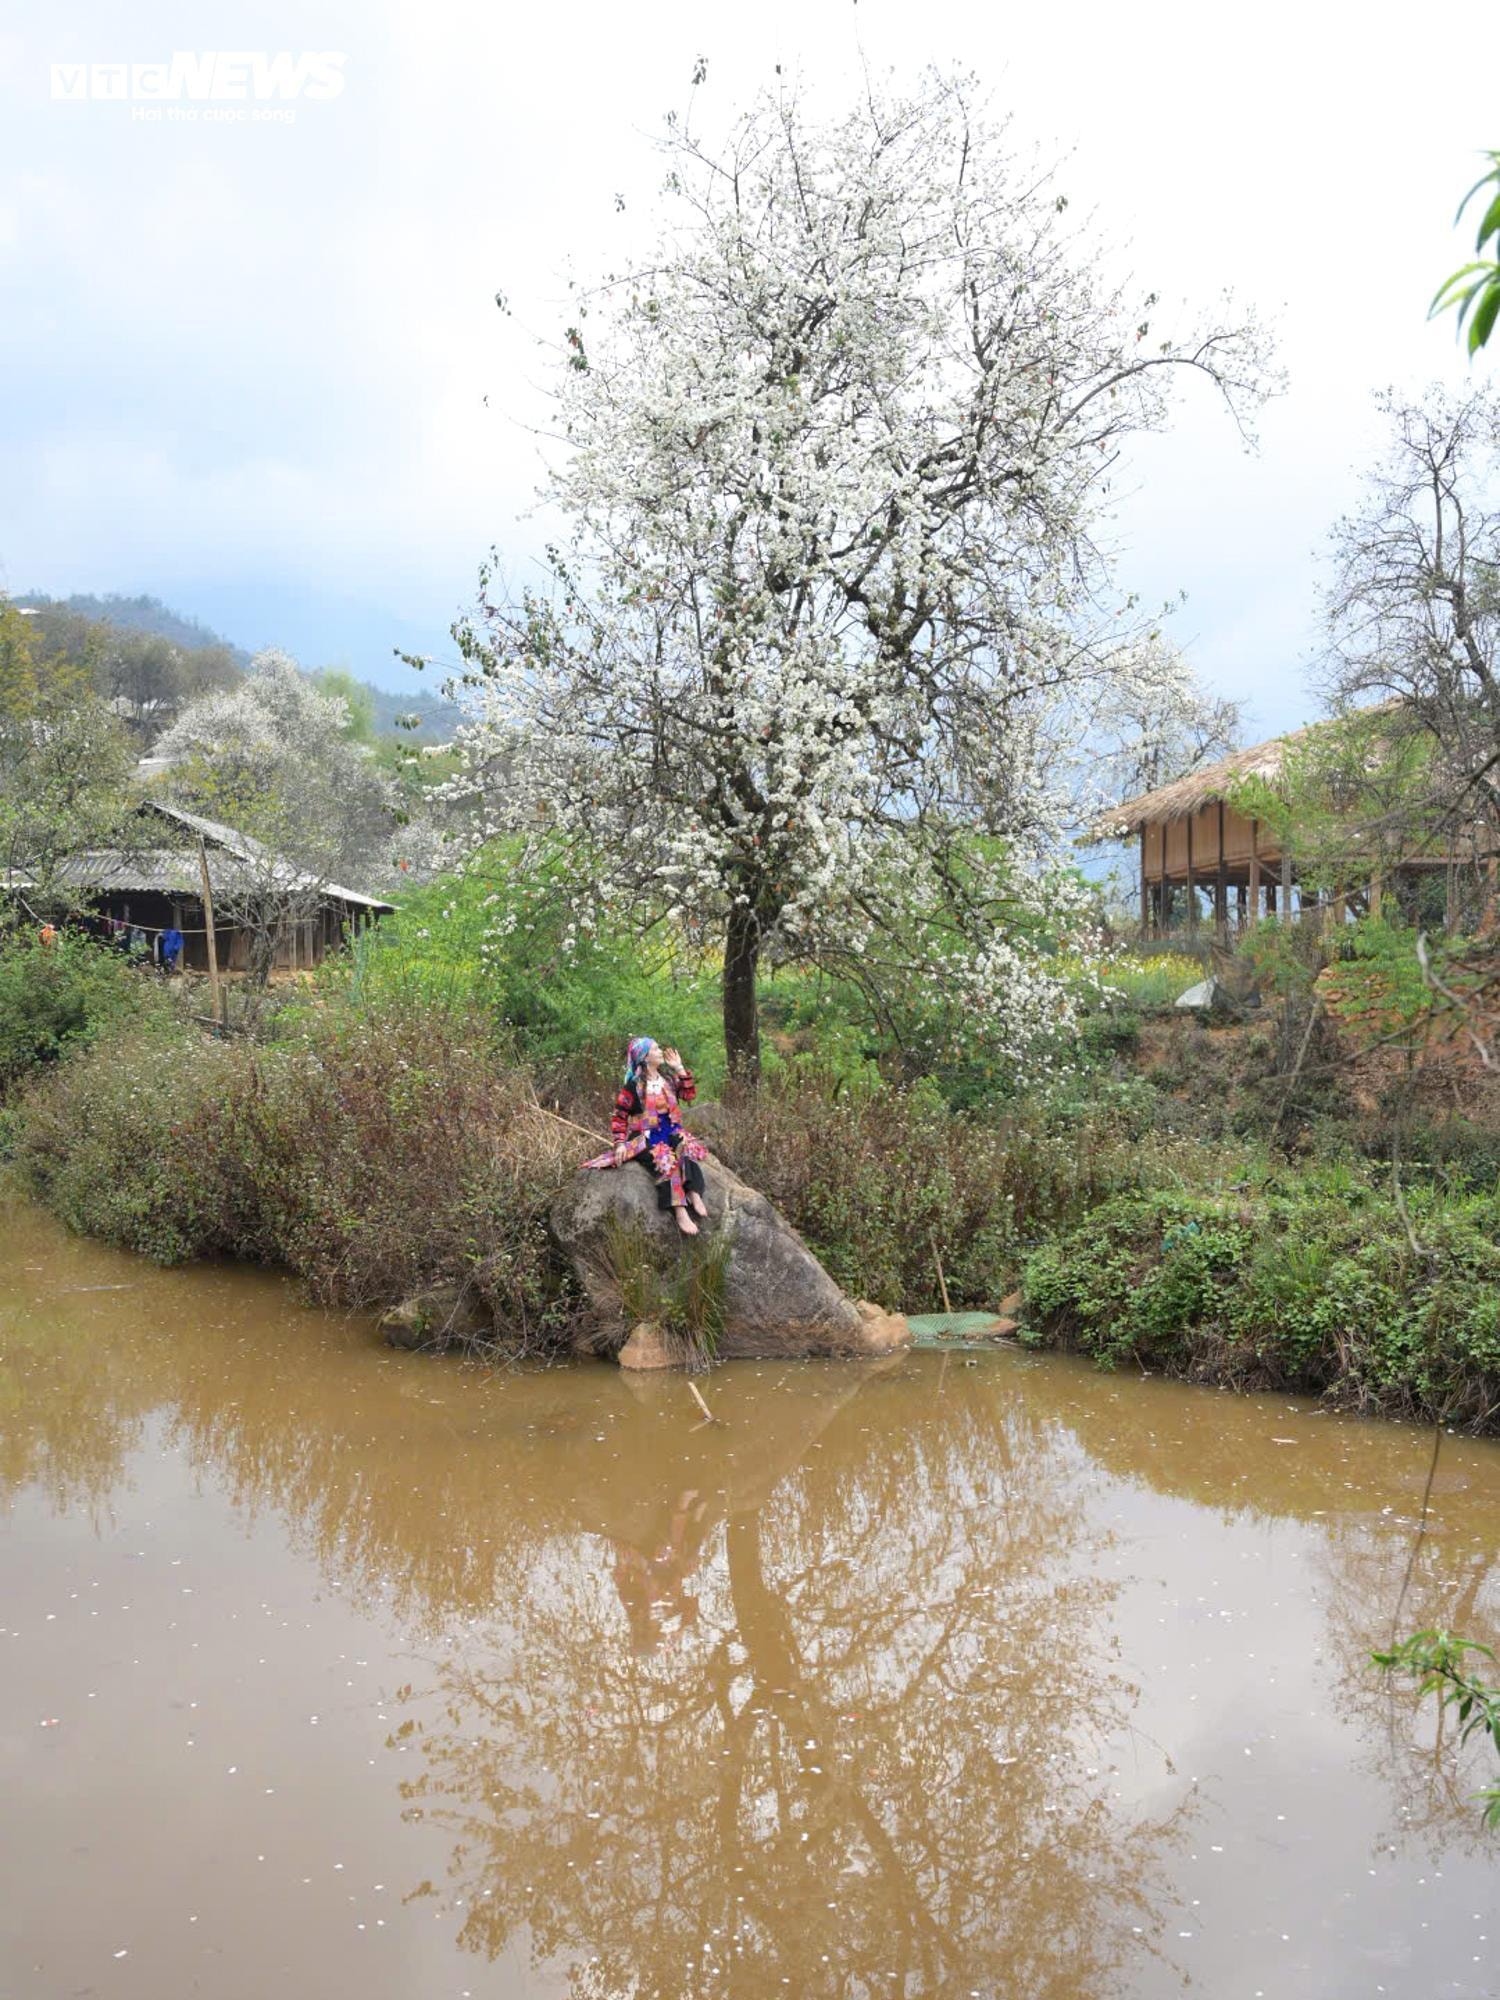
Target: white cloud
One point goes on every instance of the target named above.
(272, 348)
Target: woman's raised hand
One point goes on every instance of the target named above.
(671, 1056)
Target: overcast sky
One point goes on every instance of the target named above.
(257, 370)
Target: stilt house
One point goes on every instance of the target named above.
(1204, 861)
(159, 884)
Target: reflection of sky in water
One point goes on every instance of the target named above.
(911, 1678)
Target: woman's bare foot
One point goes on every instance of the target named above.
(699, 1206)
(685, 1222)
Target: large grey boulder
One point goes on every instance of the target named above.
(778, 1299)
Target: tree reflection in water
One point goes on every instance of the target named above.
(1385, 1577)
(866, 1758)
(840, 1681)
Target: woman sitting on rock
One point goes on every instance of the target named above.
(645, 1128)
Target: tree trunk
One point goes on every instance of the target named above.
(741, 1008)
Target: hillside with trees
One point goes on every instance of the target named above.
(148, 659)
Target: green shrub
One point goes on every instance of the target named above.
(1307, 1282)
(503, 948)
(52, 997)
(376, 1152)
(882, 1183)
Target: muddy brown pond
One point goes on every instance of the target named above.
(330, 1671)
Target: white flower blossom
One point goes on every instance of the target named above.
(834, 623)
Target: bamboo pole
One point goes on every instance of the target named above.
(1164, 893)
(708, 1413)
(1192, 894)
(572, 1124)
(215, 998)
(942, 1281)
(1145, 888)
(1255, 871)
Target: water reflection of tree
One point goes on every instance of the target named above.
(1359, 1487)
(1378, 1574)
(812, 1574)
(864, 1766)
(66, 1423)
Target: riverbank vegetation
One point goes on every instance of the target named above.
(1182, 1196)
(785, 767)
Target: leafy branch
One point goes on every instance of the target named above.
(1475, 287)
(1439, 1659)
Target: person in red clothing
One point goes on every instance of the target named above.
(645, 1127)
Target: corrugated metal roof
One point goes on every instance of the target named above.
(151, 871)
(167, 871)
(216, 834)
(173, 871)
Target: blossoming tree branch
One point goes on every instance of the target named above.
(811, 677)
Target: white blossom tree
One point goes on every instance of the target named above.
(1414, 607)
(834, 459)
(1155, 722)
(273, 758)
(277, 751)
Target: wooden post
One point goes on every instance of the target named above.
(1255, 871)
(1221, 886)
(208, 932)
(1145, 888)
(1164, 888)
(1374, 897)
(1192, 895)
(1286, 886)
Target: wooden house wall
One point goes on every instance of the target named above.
(156, 911)
(1242, 837)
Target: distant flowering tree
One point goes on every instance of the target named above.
(834, 458)
(273, 758)
(1154, 723)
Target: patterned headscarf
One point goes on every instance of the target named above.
(635, 1058)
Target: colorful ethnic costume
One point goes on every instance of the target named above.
(645, 1122)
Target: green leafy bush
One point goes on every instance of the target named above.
(53, 997)
(374, 1153)
(1306, 1282)
(883, 1182)
(500, 945)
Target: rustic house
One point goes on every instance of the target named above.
(160, 883)
(1202, 859)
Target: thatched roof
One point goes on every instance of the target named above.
(1189, 795)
